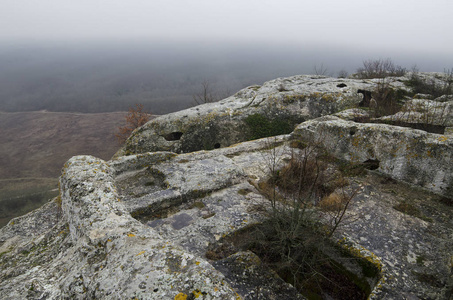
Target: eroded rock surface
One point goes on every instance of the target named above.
(140, 226)
(413, 156)
(94, 248)
(284, 102)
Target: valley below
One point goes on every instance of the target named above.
(35, 146)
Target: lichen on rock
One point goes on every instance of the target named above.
(140, 225)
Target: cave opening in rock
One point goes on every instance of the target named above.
(371, 164)
(174, 136)
(366, 98)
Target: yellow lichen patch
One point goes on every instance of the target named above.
(197, 293)
(361, 252)
(181, 296)
(197, 263)
(442, 138)
(140, 253)
(130, 235)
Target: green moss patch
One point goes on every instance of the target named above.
(261, 126)
(411, 210)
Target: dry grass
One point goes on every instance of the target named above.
(333, 202)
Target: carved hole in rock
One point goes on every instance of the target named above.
(153, 214)
(447, 201)
(366, 98)
(371, 164)
(353, 130)
(317, 267)
(174, 136)
(341, 85)
(140, 183)
(216, 145)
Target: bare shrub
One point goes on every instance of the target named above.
(379, 68)
(423, 85)
(206, 95)
(292, 240)
(134, 119)
(386, 99)
(342, 74)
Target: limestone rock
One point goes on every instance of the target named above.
(140, 226)
(424, 112)
(353, 114)
(280, 104)
(93, 248)
(413, 156)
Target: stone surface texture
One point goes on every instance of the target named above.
(140, 225)
(294, 100)
(413, 156)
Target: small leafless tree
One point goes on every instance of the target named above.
(320, 70)
(206, 95)
(135, 118)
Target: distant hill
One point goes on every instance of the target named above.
(35, 146)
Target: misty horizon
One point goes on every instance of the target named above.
(112, 75)
(107, 55)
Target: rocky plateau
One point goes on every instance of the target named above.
(149, 223)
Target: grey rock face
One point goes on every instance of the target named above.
(284, 101)
(92, 248)
(425, 112)
(413, 156)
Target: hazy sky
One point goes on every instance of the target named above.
(416, 25)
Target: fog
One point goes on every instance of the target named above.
(108, 76)
(105, 55)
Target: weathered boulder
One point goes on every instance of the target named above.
(102, 252)
(93, 248)
(429, 115)
(410, 155)
(256, 111)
